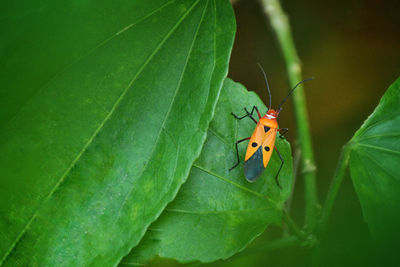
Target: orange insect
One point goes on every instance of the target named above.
(262, 141)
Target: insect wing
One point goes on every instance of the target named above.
(253, 162)
(254, 166)
(256, 140)
(268, 146)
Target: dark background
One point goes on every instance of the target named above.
(352, 49)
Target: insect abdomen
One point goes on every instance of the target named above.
(253, 167)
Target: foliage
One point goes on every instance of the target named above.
(116, 137)
(373, 162)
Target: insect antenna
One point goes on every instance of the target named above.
(291, 91)
(266, 81)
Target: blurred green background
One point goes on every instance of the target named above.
(352, 49)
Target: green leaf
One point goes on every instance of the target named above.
(218, 213)
(105, 106)
(374, 165)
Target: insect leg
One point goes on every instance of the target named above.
(248, 114)
(280, 168)
(237, 152)
(282, 132)
(258, 112)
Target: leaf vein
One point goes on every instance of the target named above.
(380, 148)
(380, 135)
(234, 184)
(381, 167)
(219, 137)
(173, 99)
(206, 212)
(41, 87)
(88, 143)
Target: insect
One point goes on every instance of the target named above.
(262, 141)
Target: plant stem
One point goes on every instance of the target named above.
(280, 24)
(293, 226)
(333, 189)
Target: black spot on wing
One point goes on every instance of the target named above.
(266, 128)
(266, 148)
(254, 166)
(254, 144)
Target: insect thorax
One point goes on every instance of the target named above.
(271, 123)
